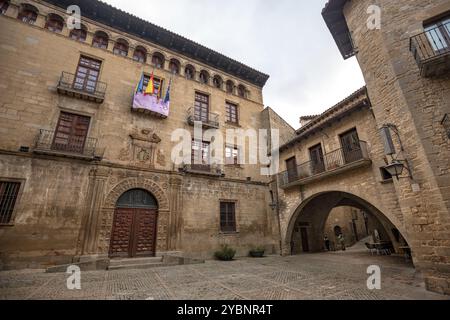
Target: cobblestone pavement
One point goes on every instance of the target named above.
(340, 276)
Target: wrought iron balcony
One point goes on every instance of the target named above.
(210, 120)
(333, 163)
(431, 49)
(203, 169)
(88, 90)
(72, 147)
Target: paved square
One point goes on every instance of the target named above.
(336, 276)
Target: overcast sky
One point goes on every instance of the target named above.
(286, 39)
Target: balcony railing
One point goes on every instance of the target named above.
(73, 147)
(90, 90)
(208, 120)
(211, 170)
(333, 163)
(431, 49)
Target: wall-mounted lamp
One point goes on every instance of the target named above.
(397, 166)
(446, 124)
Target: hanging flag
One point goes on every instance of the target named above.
(140, 85)
(167, 97)
(150, 86)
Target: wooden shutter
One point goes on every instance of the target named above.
(201, 107)
(87, 75)
(71, 133)
(228, 217)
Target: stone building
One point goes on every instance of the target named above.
(385, 149)
(84, 175)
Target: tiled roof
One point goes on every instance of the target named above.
(123, 21)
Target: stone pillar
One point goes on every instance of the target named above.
(174, 223)
(90, 226)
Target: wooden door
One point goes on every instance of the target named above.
(351, 146)
(201, 108)
(200, 156)
(291, 166)
(317, 159)
(71, 133)
(305, 242)
(134, 233)
(87, 75)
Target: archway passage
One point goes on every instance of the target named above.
(321, 219)
(135, 225)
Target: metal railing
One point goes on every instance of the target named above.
(85, 147)
(431, 44)
(210, 119)
(68, 82)
(331, 161)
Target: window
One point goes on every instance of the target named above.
(28, 13)
(385, 175)
(291, 167)
(228, 216)
(158, 60)
(201, 107)
(174, 66)
(79, 34)
(8, 197)
(351, 146)
(317, 159)
(438, 34)
(232, 155)
(217, 82)
(121, 48)
(157, 85)
(71, 133)
(204, 77)
(140, 54)
(3, 6)
(232, 113)
(100, 40)
(230, 86)
(242, 91)
(189, 72)
(200, 155)
(87, 74)
(54, 23)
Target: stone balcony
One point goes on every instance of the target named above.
(334, 163)
(91, 90)
(431, 50)
(202, 169)
(76, 148)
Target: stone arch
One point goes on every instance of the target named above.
(335, 198)
(109, 205)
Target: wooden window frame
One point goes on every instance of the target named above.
(28, 15)
(55, 23)
(100, 44)
(200, 109)
(22, 182)
(235, 158)
(228, 113)
(69, 148)
(78, 34)
(444, 31)
(227, 225)
(140, 55)
(90, 68)
(121, 48)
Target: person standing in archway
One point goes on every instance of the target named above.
(342, 241)
(327, 243)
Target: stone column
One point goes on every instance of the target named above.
(89, 231)
(174, 225)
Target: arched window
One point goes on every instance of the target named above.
(3, 6)
(230, 86)
(137, 198)
(174, 66)
(217, 82)
(204, 77)
(189, 72)
(242, 91)
(158, 60)
(55, 23)
(79, 34)
(28, 13)
(100, 40)
(140, 54)
(121, 48)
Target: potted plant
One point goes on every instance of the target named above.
(257, 252)
(226, 253)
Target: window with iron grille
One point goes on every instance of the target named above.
(228, 216)
(232, 113)
(8, 197)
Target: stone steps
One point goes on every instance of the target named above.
(136, 263)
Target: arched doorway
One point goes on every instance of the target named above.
(316, 210)
(135, 225)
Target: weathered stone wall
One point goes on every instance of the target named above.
(416, 106)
